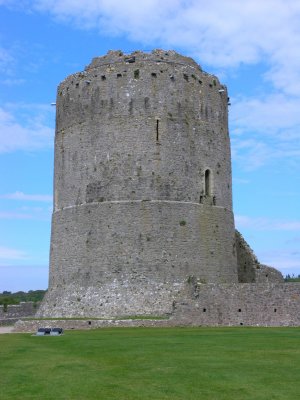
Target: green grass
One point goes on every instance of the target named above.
(157, 364)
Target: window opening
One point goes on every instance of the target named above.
(207, 182)
(157, 130)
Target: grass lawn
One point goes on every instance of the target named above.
(153, 363)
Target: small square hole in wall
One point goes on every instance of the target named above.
(204, 309)
(241, 323)
(103, 77)
(275, 309)
(240, 310)
(90, 322)
(154, 75)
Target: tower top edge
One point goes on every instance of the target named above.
(156, 55)
(137, 57)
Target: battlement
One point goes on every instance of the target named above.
(157, 56)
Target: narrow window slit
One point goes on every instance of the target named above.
(207, 182)
(157, 130)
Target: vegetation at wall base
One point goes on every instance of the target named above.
(7, 297)
(152, 364)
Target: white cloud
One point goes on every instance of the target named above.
(27, 197)
(274, 125)
(6, 60)
(267, 115)
(220, 33)
(14, 215)
(31, 133)
(7, 253)
(265, 224)
(288, 262)
(12, 81)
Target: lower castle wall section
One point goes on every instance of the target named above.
(155, 240)
(245, 304)
(115, 299)
(131, 252)
(13, 312)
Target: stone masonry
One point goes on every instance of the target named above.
(143, 195)
(12, 312)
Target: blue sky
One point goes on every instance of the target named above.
(253, 46)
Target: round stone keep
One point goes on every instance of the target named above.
(142, 186)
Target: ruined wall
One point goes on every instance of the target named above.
(142, 194)
(249, 269)
(13, 312)
(267, 304)
(198, 304)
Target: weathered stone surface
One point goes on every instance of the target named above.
(267, 304)
(11, 313)
(142, 220)
(142, 187)
(250, 270)
(33, 325)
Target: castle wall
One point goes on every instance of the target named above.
(249, 304)
(147, 129)
(243, 304)
(250, 270)
(13, 312)
(142, 193)
(145, 250)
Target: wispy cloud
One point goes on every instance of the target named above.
(14, 215)
(27, 197)
(287, 261)
(273, 122)
(7, 253)
(220, 34)
(265, 224)
(12, 81)
(25, 127)
(6, 61)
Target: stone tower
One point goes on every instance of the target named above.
(142, 186)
